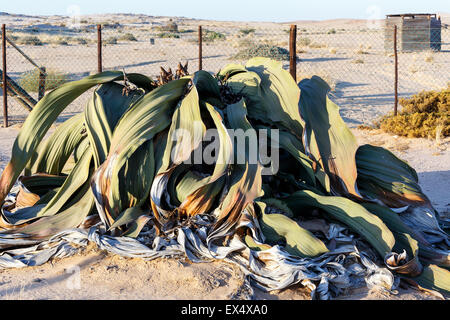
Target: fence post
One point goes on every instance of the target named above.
(293, 51)
(99, 48)
(42, 78)
(5, 85)
(200, 53)
(395, 71)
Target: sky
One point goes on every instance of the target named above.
(232, 10)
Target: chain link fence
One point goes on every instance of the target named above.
(357, 62)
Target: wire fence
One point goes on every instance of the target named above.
(358, 63)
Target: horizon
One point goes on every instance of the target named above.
(232, 10)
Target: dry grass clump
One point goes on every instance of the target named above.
(304, 41)
(423, 115)
(316, 45)
(29, 40)
(168, 35)
(127, 37)
(247, 31)
(362, 50)
(110, 40)
(429, 57)
(80, 40)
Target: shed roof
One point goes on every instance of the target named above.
(411, 15)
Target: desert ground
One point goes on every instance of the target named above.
(364, 91)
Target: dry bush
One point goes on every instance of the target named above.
(426, 115)
(429, 57)
(29, 40)
(304, 41)
(127, 37)
(316, 45)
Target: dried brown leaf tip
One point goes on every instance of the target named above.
(166, 76)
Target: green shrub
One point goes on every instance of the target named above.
(331, 31)
(263, 50)
(30, 80)
(247, 31)
(209, 36)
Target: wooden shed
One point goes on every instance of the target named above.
(415, 32)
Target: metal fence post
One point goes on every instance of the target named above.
(42, 78)
(200, 53)
(99, 48)
(396, 72)
(293, 51)
(5, 85)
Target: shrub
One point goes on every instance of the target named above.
(170, 27)
(209, 36)
(80, 41)
(60, 41)
(263, 50)
(316, 45)
(29, 40)
(304, 41)
(247, 31)
(331, 31)
(422, 115)
(168, 35)
(110, 40)
(128, 37)
(30, 80)
(11, 36)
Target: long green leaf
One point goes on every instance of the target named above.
(350, 213)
